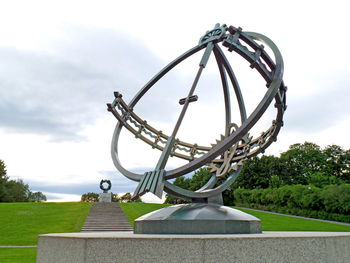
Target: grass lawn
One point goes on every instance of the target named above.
(272, 222)
(269, 222)
(18, 255)
(21, 223)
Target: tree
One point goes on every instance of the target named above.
(320, 180)
(115, 198)
(16, 191)
(125, 198)
(300, 161)
(37, 197)
(3, 171)
(90, 197)
(257, 172)
(3, 180)
(199, 178)
(305, 164)
(308, 159)
(337, 162)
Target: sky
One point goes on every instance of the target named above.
(61, 61)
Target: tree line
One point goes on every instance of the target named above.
(302, 166)
(94, 197)
(16, 190)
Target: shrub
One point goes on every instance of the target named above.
(336, 198)
(331, 202)
(311, 198)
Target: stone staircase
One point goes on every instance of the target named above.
(106, 217)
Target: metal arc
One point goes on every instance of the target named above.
(248, 123)
(276, 90)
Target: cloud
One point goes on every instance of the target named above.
(58, 197)
(63, 88)
(321, 109)
(60, 91)
(45, 95)
(120, 184)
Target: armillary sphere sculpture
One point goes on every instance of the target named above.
(226, 157)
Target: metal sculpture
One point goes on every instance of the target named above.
(103, 188)
(226, 157)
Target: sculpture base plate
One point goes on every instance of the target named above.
(112, 247)
(197, 218)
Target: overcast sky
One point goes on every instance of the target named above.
(60, 62)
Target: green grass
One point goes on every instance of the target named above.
(21, 223)
(272, 222)
(17, 255)
(135, 210)
(269, 222)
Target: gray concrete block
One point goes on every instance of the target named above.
(144, 250)
(105, 197)
(266, 250)
(60, 249)
(289, 247)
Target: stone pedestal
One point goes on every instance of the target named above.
(105, 197)
(108, 247)
(197, 218)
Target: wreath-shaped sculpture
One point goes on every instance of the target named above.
(109, 185)
(225, 158)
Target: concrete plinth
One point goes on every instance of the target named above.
(105, 197)
(126, 247)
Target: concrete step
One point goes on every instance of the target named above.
(106, 217)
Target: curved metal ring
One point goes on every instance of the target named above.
(275, 88)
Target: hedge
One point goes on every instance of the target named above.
(331, 202)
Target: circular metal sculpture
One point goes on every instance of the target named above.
(226, 157)
(108, 182)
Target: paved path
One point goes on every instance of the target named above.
(106, 217)
(316, 219)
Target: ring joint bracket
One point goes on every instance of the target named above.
(150, 182)
(279, 106)
(117, 95)
(213, 35)
(233, 39)
(190, 99)
(257, 60)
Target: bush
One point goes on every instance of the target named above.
(320, 180)
(312, 199)
(90, 197)
(336, 198)
(267, 196)
(331, 202)
(238, 195)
